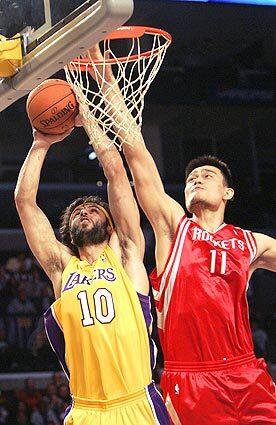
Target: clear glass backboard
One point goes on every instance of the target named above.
(52, 33)
(41, 15)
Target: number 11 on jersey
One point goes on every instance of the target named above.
(215, 259)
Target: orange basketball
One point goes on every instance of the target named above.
(52, 107)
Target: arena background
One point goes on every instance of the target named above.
(215, 93)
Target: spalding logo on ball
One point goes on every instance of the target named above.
(52, 107)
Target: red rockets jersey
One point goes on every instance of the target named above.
(202, 311)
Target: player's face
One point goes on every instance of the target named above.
(86, 215)
(88, 225)
(205, 188)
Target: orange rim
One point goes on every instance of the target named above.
(124, 33)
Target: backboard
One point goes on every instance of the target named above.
(52, 33)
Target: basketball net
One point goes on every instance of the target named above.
(110, 88)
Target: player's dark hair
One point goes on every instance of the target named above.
(66, 215)
(213, 161)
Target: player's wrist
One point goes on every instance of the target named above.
(41, 144)
(46, 140)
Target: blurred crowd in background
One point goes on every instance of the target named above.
(25, 294)
(32, 406)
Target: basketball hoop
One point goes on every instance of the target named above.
(128, 61)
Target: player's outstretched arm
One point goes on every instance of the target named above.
(38, 231)
(266, 253)
(123, 208)
(163, 212)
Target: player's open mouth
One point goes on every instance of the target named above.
(82, 220)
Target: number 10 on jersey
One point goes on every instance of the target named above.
(103, 306)
(218, 262)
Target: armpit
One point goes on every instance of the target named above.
(125, 250)
(53, 265)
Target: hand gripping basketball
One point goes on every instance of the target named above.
(49, 139)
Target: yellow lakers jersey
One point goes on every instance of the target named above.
(98, 330)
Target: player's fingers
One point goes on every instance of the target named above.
(78, 121)
(38, 134)
(51, 138)
(63, 136)
(94, 52)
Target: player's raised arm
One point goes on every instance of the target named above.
(123, 207)
(163, 212)
(266, 253)
(38, 231)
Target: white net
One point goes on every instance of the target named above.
(110, 85)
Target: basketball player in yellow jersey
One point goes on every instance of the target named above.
(99, 325)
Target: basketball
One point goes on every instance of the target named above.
(52, 107)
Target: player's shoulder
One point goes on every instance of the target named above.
(237, 230)
(66, 255)
(246, 236)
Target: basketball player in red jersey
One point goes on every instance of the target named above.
(203, 266)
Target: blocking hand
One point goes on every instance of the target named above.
(99, 71)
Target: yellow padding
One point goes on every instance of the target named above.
(11, 58)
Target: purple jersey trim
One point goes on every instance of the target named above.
(146, 308)
(67, 411)
(56, 338)
(157, 405)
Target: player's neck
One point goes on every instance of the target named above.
(90, 253)
(209, 220)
